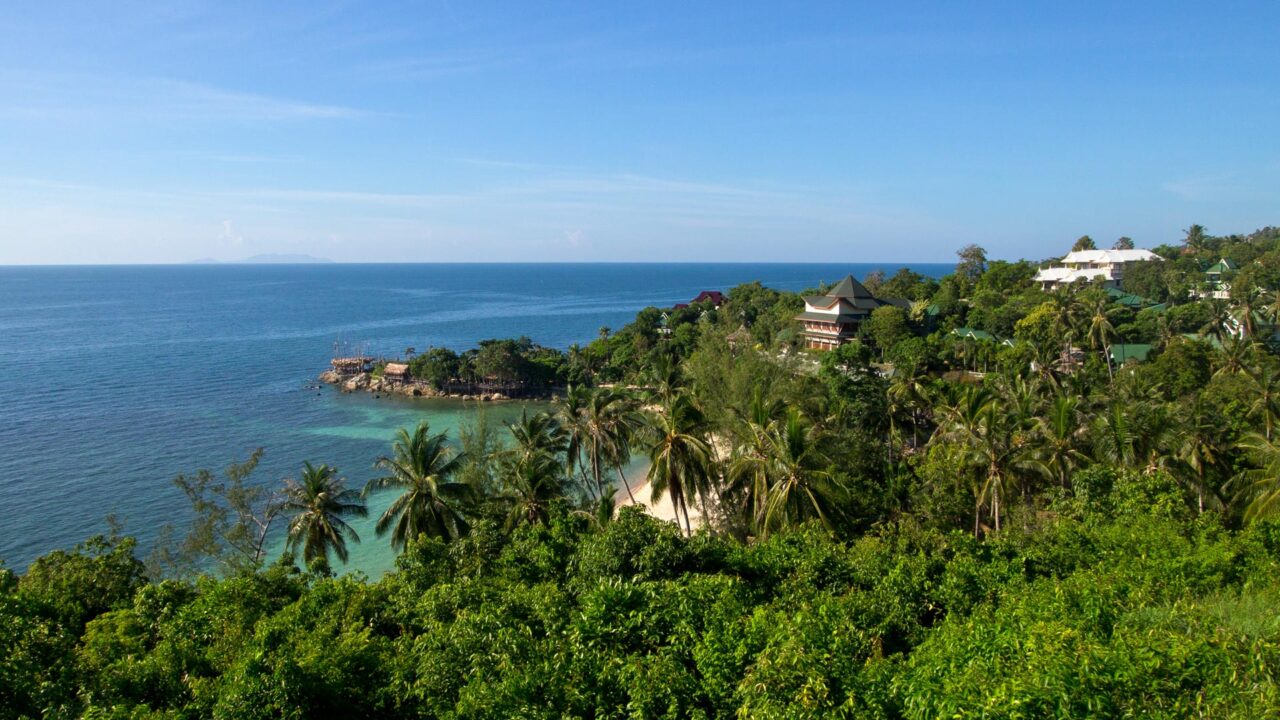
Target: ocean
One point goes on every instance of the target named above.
(113, 379)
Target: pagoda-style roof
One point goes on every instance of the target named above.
(849, 290)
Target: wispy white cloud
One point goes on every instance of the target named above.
(81, 97)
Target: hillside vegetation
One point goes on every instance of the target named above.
(998, 502)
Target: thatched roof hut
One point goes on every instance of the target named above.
(396, 371)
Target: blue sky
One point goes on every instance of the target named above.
(471, 131)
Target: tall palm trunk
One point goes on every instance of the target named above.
(1200, 489)
(977, 518)
(702, 504)
(590, 490)
(688, 526)
(995, 497)
(595, 468)
(625, 484)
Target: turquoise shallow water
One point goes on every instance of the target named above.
(114, 379)
(376, 423)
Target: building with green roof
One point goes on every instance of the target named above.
(1220, 268)
(1123, 352)
(973, 334)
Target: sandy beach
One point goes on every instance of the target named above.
(663, 509)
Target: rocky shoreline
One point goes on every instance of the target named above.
(365, 382)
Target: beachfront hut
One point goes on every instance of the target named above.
(832, 320)
(396, 372)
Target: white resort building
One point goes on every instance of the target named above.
(1088, 265)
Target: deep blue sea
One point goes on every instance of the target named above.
(114, 379)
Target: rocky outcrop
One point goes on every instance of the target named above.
(367, 383)
(356, 382)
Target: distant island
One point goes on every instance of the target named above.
(266, 259)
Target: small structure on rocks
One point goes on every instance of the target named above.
(347, 366)
(396, 373)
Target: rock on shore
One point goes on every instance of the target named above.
(367, 383)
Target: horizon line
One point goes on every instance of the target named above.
(488, 262)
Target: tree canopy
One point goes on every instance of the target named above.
(994, 501)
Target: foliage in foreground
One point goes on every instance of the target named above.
(1121, 604)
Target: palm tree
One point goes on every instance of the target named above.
(317, 504)
(679, 455)
(430, 501)
(1066, 316)
(1236, 356)
(798, 471)
(1114, 440)
(569, 411)
(1061, 434)
(1101, 331)
(538, 434)
(581, 364)
(531, 472)
(1220, 321)
(907, 392)
(531, 484)
(664, 378)
(1164, 331)
(624, 423)
(600, 423)
(1271, 306)
(1266, 401)
(1198, 453)
(1262, 484)
(1195, 238)
(748, 468)
(1132, 434)
(1245, 314)
(979, 426)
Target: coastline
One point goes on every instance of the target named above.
(366, 382)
